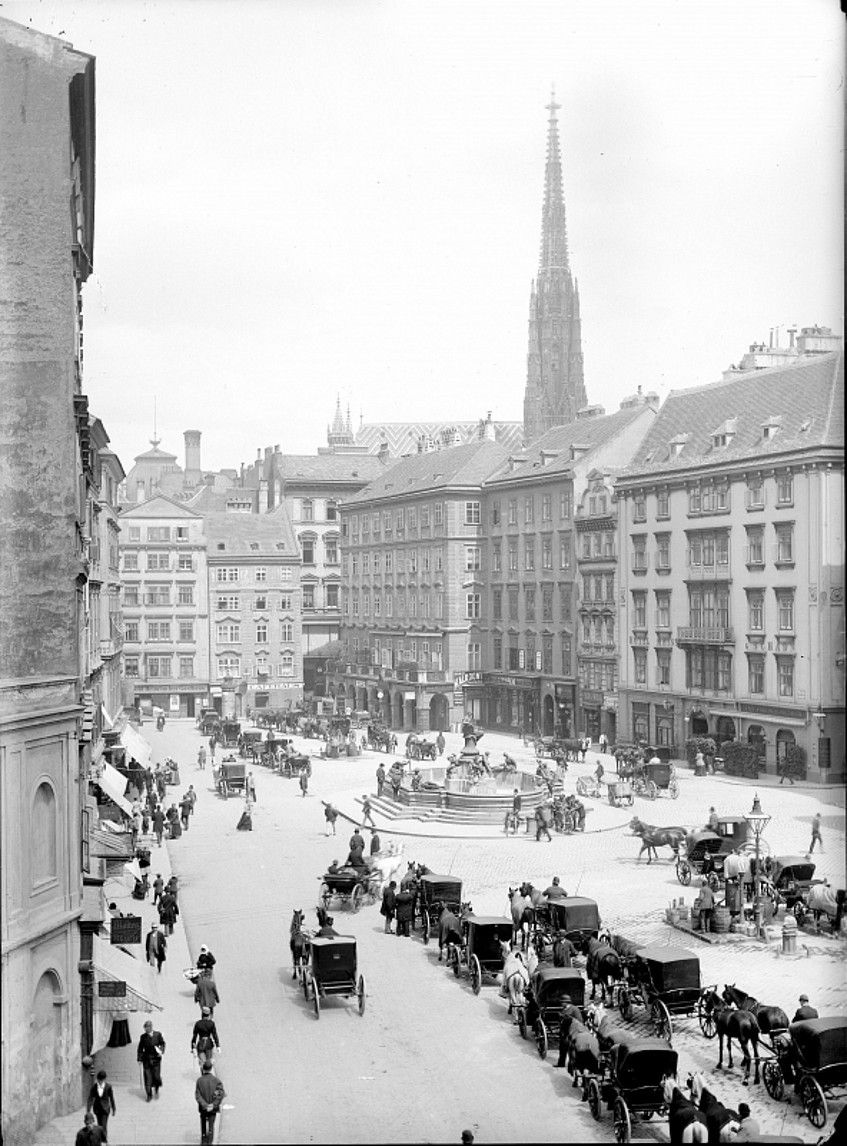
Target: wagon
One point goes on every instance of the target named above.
(380, 737)
(588, 786)
(549, 990)
(418, 749)
(551, 746)
(812, 1058)
(333, 971)
(654, 777)
(667, 980)
(434, 893)
(631, 1082)
(208, 721)
(578, 920)
(350, 885)
(250, 742)
(789, 883)
(732, 832)
(620, 793)
(481, 951)
(230, 776)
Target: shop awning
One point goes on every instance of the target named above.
(113, 785)
(105, 845)
(106, 716)
(136, 746)
(760, 717)
(112, 965)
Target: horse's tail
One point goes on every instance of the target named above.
(696, 1132)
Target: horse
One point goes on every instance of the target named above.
(608, 1034)
(571, 1014)
(653, 837)
(732, 1024)
(722, 1123)
(769, 1018)
(515, 977)
(523, 915)
(583, 1052)
(388, 863)
(602, 966)
(449, 925)
(821, 900)
(685, 1122)
(298, 942)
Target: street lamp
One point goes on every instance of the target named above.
(757, 821)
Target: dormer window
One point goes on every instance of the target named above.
(771, 427)
(676, 444)
(724, 434)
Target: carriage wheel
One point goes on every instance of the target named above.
(651, 792)
(594, 1100)
(316, 998)
(476, 975)
(360, 991)
(683, 872)
(706, 1017)
(773, 1080)
(356, 897)
(814, 1102)
(425, 935)
(542, 1043)
(625, 1004)
(623, 1123)
(660, 1015)
(673, 789)
(305, 982)
(454, 961)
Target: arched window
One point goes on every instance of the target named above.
(44, 825)
(286, 631)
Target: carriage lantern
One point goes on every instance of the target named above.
(757, 821)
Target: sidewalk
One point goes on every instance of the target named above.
(168, 1118)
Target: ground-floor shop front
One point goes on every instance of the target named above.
(524, 703)
(598, 715)
(405, 706)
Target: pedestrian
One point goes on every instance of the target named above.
(304, 780)
(804, 1011)
(404, 908)
(604, 743)
(209, 1093)
(389, 905)
(90, 1134)
(204, 1037)
(158, 888)
(599, 771)
(201, 758)
(380, 779)
(245, 823)
(151, 1049)
(584, 746)
(168, 912)
(185, 807)
(542, 823)
(714, 821)
(330, 815)
(213, 743)
(145, 820)
(366, 812)
(440, 742)
(749, 1129)
(816, 832)
(192, 796)
(250, 785)
(376, 843)
(467, 1137)
(699, 764)
(707, 905)
(156, 947)
(206, 960)
(101, 1102)
(357, 840)
(206, 992)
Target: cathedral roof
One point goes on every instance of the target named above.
(403, 437)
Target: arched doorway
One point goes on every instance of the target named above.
(438, 713)
(699, 724)
(385, 708)
(548, 716)
(784, 741)
(756, 737)
(45, 1041)
(726, 729)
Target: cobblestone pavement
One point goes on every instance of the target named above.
(429, 1058)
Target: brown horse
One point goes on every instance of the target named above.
(731, 1024)
(653, 837)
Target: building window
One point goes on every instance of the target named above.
(785, 544)
(224, 573)
(529, 553)
(228, 666)
(158, 560)
(662, 503)
(547, 605)
(639, 552)
(756, 546)
(130, 562)
(663, 551)
(261, 574)
(755, 610)
(186, 668)
(547, 553)
(639, 657)
(158, 630)
(158, 666)
(663, 610)
(724, 671)
(186, 630)
(546, 507)
(567, 654)
(513, 511)
(529, 510)
(472, 606)
(472, 562)
(135, 533)
(721, 497)
(185, 594)
(639, 507)
(130, 596)
(185, 563)
(529, 604)
(474, 657)
(564, 505)
(785, 489)
(785, 610)
(565, 551)
(331, 548)
(497, 604)
(496, 558)
(307, 509)
(261, 632)
(308, 596)
(755, 495)
(785, 676)
(547, 654)
(472, 513)
(438, 513)
(131, 666)
(158, 533)
(286, 664)
(157, 595)
(513, 604)
(332, 513)
(228, 604)
(331, 593)
(498, 653)
(228, 633)
(286, 630)
(663, 666)
(639, 610)
(755, 674)
(695, 500)
(513, 556)
(565, 603)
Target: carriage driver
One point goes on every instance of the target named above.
(326, 930)
(554, 895)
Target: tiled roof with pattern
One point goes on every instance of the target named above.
(238, 531)
(588, 433)
(403, 437)
(806, 396)
(460, 466)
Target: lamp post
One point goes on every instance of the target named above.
(757, 821)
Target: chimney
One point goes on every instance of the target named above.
(382, 453)
(792, 330)
(193, 473)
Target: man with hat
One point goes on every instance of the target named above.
(156, 946)
(206, 991)
(209, 1093)
(750, 1130)
(804, 1011)
(91, 1134)
(204, 1037)
(326, 930)
(151, 1048)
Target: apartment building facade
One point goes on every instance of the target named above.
(732, 584)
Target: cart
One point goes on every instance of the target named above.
(349, 885)
(667, 980)
(250, 743)
(421, 749)
(620, 794)
(230, 732)
(208, 721)
(630, 1083)
(699, 846)
(813, 1058)
(549, 990)
(435, 892)
(333, 971)
(481, 952)
(230, 776)
(654, 777)
(588, 786)
(789, 883)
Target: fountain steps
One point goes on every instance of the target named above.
(395, 810)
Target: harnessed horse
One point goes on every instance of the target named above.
(653, 837)
(731, 1024)
(769, 1018)
(602, 966)
(685, 1121)
(722, 1123)
(298, 942)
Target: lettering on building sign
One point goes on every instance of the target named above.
(461, 678)
(126, 929)
(110, 989)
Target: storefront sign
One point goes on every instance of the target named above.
(591, 697)
(126, 929)
(109, 989)
(511, 682)
(408, 696)
(173, 703)
(466, 677)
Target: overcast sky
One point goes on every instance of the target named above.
(302, 199)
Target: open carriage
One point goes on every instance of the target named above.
(630, 1083)
(589, 786)
(481, 951)
(812, 1058)
(333, 971)
(436, 892)
(654, 777)
(549, 990)
(620, 794)
(229, 733)
(667, 980)
(732, 832)
(250, 743)
(350, 886)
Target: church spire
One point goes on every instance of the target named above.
(554, 233)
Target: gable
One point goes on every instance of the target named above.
(158, 506)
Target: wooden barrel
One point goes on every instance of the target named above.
(722, 919)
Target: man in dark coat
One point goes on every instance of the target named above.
(151, 1048)
(206, 992)
(357, 840)
(389, 904)
(159, 824)
(804, 1011)
(168, 911)
(206, 960)
(204, 1037)
(101, 1102)
(404, 906)
(185, 809)
(380, 779)
(91, 1134)
(156, 947)
(376, 843)
(209, 1093)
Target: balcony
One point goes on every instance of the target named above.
(696, 635)
(638, 637)
(715, 572)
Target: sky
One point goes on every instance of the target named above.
(304, 199)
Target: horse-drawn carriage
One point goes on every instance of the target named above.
(811, 1057)
(250, 742)
(620, 794)
(209, 721)
(790, 881)
(334, 971)
(667, 980)
(435, 892)
(732, 833)
(380, 738)
(481, 951)
(631, 1082)
(575, 918)
(350, 885)
(553, 746)
(589, 786)
(229, 733)
(653, 777)
(549, 990)
(419, 748)
(230, 776)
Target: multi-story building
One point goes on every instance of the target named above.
(165, 606)
(732, 588)
(412, 587)
(527, 621)
(46, 476)
(254, 594)
(596, 632)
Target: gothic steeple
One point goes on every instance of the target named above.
(555, 389)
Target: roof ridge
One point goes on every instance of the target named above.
(833, 392)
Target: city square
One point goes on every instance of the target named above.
(422, 624)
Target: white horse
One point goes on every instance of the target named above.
(685, 1122)
(515, 977)
(388, 864)
(720, 1119)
